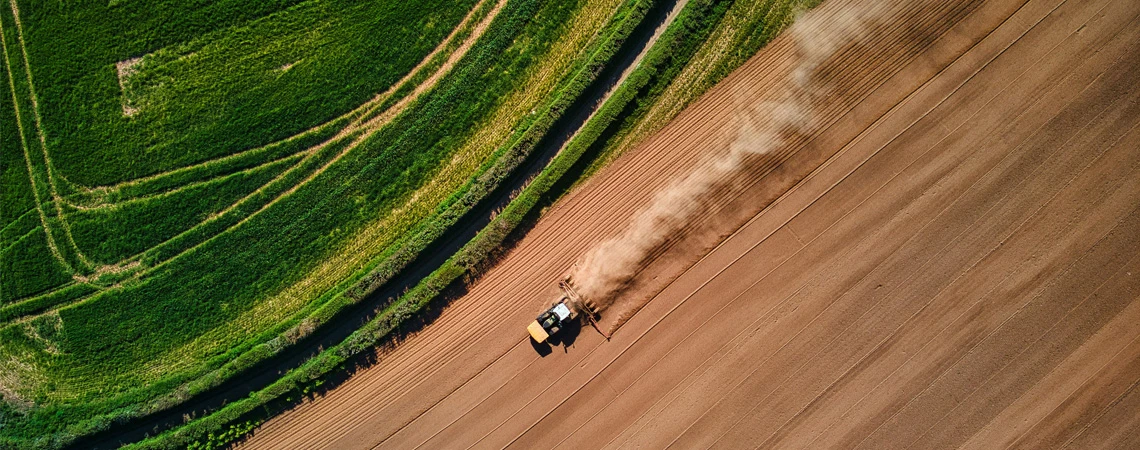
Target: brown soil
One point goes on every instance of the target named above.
(125, 69)
(948, 259)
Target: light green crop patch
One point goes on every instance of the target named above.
(45, 332)
(178, 88)
(124, 104)
(19, 372)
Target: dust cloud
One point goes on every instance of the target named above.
(760, 129)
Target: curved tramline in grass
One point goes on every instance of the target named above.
(220, 165)
(34, 148)
(115, 194)
(161, 179)
(318, 158)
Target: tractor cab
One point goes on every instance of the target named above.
(550, 322)
(568, 306)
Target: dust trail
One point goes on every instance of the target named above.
(762, 128)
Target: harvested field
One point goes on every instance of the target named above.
(947, 257)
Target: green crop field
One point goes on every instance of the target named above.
(188, 188)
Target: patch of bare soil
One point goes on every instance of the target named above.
(125, 69)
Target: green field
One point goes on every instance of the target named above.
(187, 188)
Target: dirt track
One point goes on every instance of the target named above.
(949, 259)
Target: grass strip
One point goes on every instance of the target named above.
(200, 173)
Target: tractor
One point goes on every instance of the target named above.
(567, 307)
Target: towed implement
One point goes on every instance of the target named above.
(567, 307)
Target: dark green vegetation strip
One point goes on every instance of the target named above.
(59, 296)
(119, 232)
(205, 172)
(27, 267)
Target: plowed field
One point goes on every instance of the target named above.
(949, 257)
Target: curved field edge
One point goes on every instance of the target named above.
(660, 66)
(252, 356)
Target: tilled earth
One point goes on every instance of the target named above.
(949, 258)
